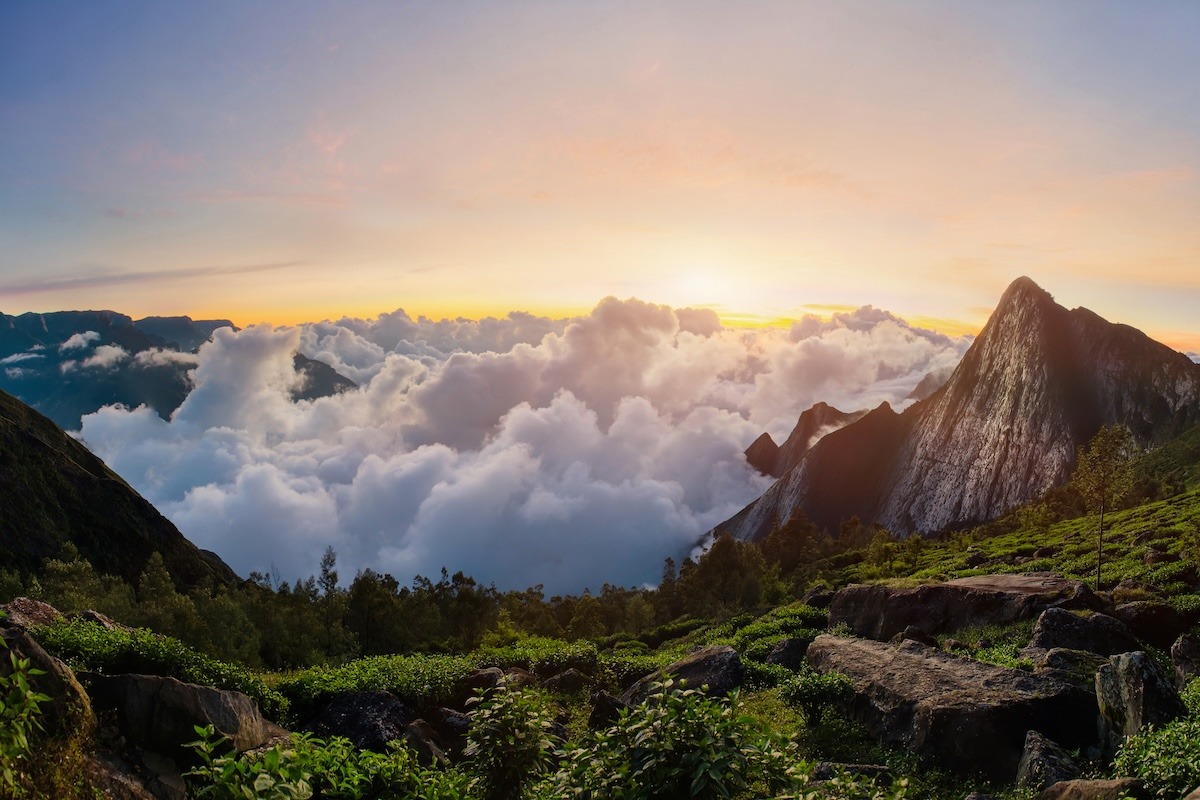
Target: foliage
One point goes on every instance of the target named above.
(814, 693)
(509, 743)
(20, 716)
(311, 766)
(1167, 759)
(86, 645)
(1191, 697)
(1104, 476)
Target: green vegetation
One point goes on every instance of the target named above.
(20, 716)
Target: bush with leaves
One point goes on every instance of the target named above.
(678, 743)
(20, 716)
(1167, 759)
(815, 692)
(509, 743)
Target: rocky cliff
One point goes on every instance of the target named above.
(1039, 381)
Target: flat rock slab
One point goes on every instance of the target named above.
(880, 612)
(962, 715)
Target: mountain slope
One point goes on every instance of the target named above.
(53, 490)
(1038, 382)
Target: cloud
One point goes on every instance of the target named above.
(106, 356)
(521, 450)
(17, 358)
(156, 357)
(102, 279)
(16, 373)
(79, 341)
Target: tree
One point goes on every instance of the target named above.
(1104, 476)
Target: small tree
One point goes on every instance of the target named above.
(1104, 476)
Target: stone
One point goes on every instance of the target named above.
(423, 739)
(1153, 557)
(789, 653)
(1132, 692)
(1194, 794)
(966, 716)
(915, 634)
(1153, 622)
(1080, 789)
(517, 678)
(1185, 654)
(115, 778)
(1073, 666)
(1045, 552)
(368, 719)
(160, 714)
(25, 612)
(716, 668)
(469, 687)
(818, 598)
(104, 621)
(568, 681)
(1096, 633)
(451, 728)
(880, 612)
(1044, 763)
(605, 710)
(69, 707)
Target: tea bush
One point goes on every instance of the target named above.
(1167, 759)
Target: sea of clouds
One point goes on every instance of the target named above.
(522, 451)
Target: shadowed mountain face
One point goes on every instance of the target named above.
(1038, 382)
(53, 490)
(820, 420)
(70, 363)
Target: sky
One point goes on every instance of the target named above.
(297, 161)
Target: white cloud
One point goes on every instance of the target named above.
(106, 356)
(17, 358)
(521, 450)
(156, 357)
(79, 341)
(17, 372)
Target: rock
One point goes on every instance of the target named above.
(788, 653)
(915, 634)
(368, 719)
(605, 710)
(1159, 557)
(879, 612)
(517, 678)
(470, 686)
(1095, 790)
(115, 778)
(1194, 795)
(1096, 633)
(451, 728)
(568, 682)
(1153, 622)
(1045, 552)
(25, 612)
(104, 621)
(1133, 692)
(1073, 666)
(69, 707)
(717, 667)
(1044, 763)
(964, 715)
(1185, 654)
(950, 645)
(423, 739)
(159, 714)
(818, 598)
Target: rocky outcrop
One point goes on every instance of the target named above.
(1095, 633)
(716, 667)
(1081, 789)
(1154, 622)
(451, 728)
(568, 681)
(368, 719)
(880, 612)
(1185, 655)
(1133, 692)
(1044, 763)
(1037, 383)
(160, 714)
(966, 716)
(763, 455)
(25, 612)
(605, 710)
(69, 707)
(789, 653)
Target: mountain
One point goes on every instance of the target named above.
(53, 491)
(70, 363)
(774, 460)
(1038, 382)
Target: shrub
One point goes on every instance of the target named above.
(1167, 759)
(814, 693)
(20, 716)
(509, 743)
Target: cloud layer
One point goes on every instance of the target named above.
(521, 450)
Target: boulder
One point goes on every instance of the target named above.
(605, 710)
(1153, 557)
(915, 634)
(25, 612)
(1185, 654)
(789, 653)
(568, 681)
(451, 728)
(368, 719)
(423, 739)
(469, 687)
(69, 706)
(517, 678)
(1096, 633)
(115, 778)
(103, 620)
(1133, 692)
(966, 716)
(880, 612)
(1194, 794)
(1153, 622)
(1080, 789)
(716, 667)
(160, 714)
(1044, 763)
(1073, 666)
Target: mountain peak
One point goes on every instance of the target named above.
(1023, 292)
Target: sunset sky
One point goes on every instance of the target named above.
(289, 161)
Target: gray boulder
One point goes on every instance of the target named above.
(469, 687)
(789, 653)
(368, 719)
(881, 612)
(1185, 654)
(568, 681)
(963, 715)
(1132, 692)
(716, 667)
(423, 739)
(1080, 789)
(451, 728)
(1044, 763)
(1153, 622)
(605, 710)
(25, 611)
(1096, 633)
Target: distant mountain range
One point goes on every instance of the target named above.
(70, 363)
(1038, 382)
